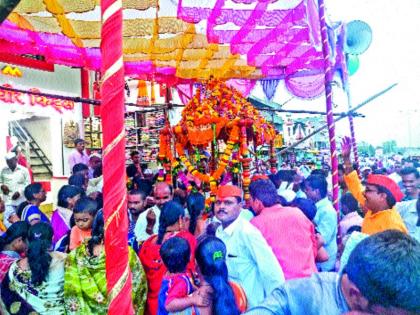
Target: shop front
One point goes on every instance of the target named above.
(43, 126)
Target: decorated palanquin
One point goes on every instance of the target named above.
(216, 116)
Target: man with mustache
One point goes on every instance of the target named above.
(136, 204)
(377, 198)
(250, 260)
(147, 222)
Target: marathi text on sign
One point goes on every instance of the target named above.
(44, 101)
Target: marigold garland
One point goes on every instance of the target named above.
(216, 112)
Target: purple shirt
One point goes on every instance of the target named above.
(60, 225)
(75, 157)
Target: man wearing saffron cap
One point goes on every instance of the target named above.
(250, 260)
(378, 198)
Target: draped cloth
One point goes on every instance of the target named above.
(269, 88)
(6, 259)
(20, 296)
(85, 283)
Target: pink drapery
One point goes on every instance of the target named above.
(281, 38)
(243, 86)
(185, 92)
(262, 32)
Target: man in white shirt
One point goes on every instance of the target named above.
(13, 179)
(250, 260)
(148, 221)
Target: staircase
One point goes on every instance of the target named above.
(41, 166)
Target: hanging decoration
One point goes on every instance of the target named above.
(269, 88)
(142, 94)
(243, 86)
(185, 92)
(216, 114)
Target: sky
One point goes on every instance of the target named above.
(393, 57)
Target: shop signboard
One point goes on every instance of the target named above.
(20, 98)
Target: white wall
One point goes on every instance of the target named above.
(40, 129)
(47, 128)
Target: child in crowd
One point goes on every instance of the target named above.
(84, 213)
(351, 217)
(174, 295)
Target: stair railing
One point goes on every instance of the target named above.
(22, 137)
(25, 137)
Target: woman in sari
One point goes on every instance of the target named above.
(60, 220)
(85, 289)
(171, 223)
(34, 284)
(12, 245)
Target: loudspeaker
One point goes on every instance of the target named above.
(358, 37)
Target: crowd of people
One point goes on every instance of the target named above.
(286, 250)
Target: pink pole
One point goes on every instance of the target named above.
(352, 131)
(328, 94)
(118, 274)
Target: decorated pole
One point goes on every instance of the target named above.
(118, 274)
(352, 132)
(328, 95)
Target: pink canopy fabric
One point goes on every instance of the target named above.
(265, 39)
(269, 38)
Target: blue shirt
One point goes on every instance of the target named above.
(326, 224)
(408, 212)
(318, 295)
(31, 213)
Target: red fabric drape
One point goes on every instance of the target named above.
(118, 274)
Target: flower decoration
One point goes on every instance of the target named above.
(216, 112)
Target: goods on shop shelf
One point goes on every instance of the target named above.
(93, 133)
(142, 134)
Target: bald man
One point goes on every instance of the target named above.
(147, 223)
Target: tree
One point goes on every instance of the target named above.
(366, 149)
(390, 147)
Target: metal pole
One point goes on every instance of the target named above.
(352, 130)
(368, 100)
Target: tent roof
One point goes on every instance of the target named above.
(175, 39)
